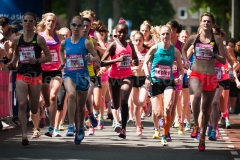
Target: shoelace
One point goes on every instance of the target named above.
(202, 142)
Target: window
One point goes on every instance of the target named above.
(182, 13)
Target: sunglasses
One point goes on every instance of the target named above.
(76, 25)
(115, 36)
(28, 20)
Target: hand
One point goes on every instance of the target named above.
(209, 52)
(238, 85)
(187, 65)
(32, 60)
(147, 83)
(102, 71)
(189, 72)
(121, 58)
(11, 65)
(178, 80)
(226, 71)
(61, 67)
(88, 57)
(231, 78)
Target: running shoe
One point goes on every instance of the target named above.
(139, 131)
(198, 137)
(231, 110)
(168, 137)
(142, 116)
(49, 132)
(113, 124)
(201, 145)
(42, 123)
(91, 131)
(209, 130)
(187, 127)
(122, 134)
(79, 136)
(176, 124)
(110, 116)
(228, 125)
(223, 122)
(156, 134)
(117, 127)
(212, 136)
(130, 122)
(36, 133)
(101, 124)
(181, 129)
(164, 141)
(93, 119)
(25, 141)
(161, 123)
(61, 128)
(56, 133)
(70, 131)
(194, 131)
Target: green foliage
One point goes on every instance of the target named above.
(221, 9)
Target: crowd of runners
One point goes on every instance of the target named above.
(160, 71)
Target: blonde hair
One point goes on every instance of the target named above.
(146, 23)
(155, 34)
(99, 26)
(88, 12)
(41, 26)
(186, 32)
(64, 29)
(237, 47)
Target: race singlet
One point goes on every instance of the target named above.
(174, 68)
(141, 58)
(25, 53)
(200, 51)
(74, 62)
(54, 55)
(90, 62)
(162, 71)
(218, 72)
(126, 63)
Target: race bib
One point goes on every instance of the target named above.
(200, 51)
(218, 73)
(54, 55)
(126, 63)
(162, 71)
(174, 68)
(25, 53)
(74, 62)
(141, 58)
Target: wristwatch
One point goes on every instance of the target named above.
(148, 77)
(37, 60)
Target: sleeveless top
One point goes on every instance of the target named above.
(29, 49)
(76, 64)
(122, 69)
(91, 33)
(90, 64)
(175, 69)
(54, 47)
(141, 57)
(162, 62)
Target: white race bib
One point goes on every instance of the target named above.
(74, 62)
(218, 73)
(126, 63)
(141, 58)
(162, 71)
(25, 53)
(200, 51)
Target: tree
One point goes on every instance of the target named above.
(219, 8)
(93, 5)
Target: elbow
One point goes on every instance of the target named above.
(102, 64)
(50, 58)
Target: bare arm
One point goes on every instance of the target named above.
(134, 55)
(179, 62)
(15, 50)
(222, 56)
(190, 51)
(148, 57)
(231, 57)
(187, 45)
(110, 51)
(92, 51)
(98, 36)
(62, 53)
(42, 43)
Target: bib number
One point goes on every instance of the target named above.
(162, 72)
(200, 51)
(218, 73)
(25, 53)
(126, 63)
(75, 62)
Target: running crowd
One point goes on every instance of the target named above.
(161, 71)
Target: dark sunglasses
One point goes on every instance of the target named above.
(115, 36)
(28, 20)
(76, 25)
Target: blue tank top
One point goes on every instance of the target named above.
(162, 62)
(76, 64)
(192, 59)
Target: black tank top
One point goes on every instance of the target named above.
(25, 50)
(199, 48)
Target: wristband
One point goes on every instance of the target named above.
(148, 77)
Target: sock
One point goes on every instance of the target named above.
(166, 126)
(124, 115)
(224, 115)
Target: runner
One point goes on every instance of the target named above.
(161, 79)
(27, 52)
(203, 79)
(120, 75)
(76, 77)
(52, 76)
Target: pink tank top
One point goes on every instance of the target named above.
(91, 33)
(122, 69)
(54, 47)
(224, 75)
(104, 76)
(175, 69)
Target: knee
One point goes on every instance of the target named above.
(71, 97)
(34, 110)
(205, 111)
(157, 113)
(53, 97)
(197, 97)
(81, 109)
(141, 103)
(215, 104)
(22, 106)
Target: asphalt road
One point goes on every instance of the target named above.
(105, 145)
